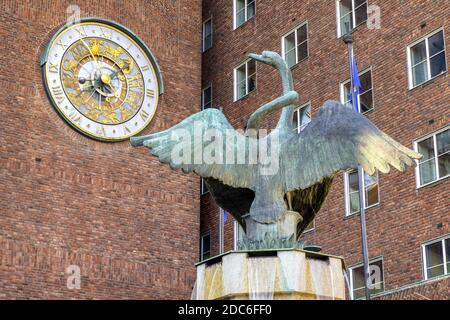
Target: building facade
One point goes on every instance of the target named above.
(402, 49)
(74, 205)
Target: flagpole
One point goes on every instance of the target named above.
(365, 251)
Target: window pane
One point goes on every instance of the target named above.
(346, 92)
(251, 67)
(366, 81)
(427, 172)
(208, 42)
(251, 10)
(444, 165)
(426, 148)
(435, 272)
(240, 17)
(207, 98)
(251, 75)
(354, 202)
(447, 249)
(305, 117)
(366, 101)
(437, 64)
(361, 14)
(296, 124)
(208, 27)
(371, 186)
(418, 53)
(290, 58)
(302, 34)
(302, 51)
(240, 4)
(353, 181)
(359, 2)
(345, 6)
(443, 142)
(434, 254)
(241, 82)
(436, 43)
(346, 24)
(420, 73)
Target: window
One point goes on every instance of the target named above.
(207, 98)
(365, 98)
(357, 279)
(294, 45)
(244, 79)
(244, 10)
(203, 187)
(436, 257)
(426, 59)
(207, 34)
(371, 194)
(435, 164)
(350, 14)
(205, 247)
(302, 116)
(239, 236)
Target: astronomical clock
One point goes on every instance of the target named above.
(102, 79)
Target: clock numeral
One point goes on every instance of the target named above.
(145, 68)
(135, 84)
(101, 131)
(150, 93)
(62, 44)
(75, 116)
(106, 33)
(81, 31)
(58, 93)
(52, 67)
(126, 130)
(144, 115)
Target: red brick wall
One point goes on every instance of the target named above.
(130, 223)
(405, 217)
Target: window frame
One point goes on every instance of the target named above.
(235, 84)
(283, 45)
(348, 212)
(428, 58)
(350, 274)
(246, 2)
(203, 189)
(444, 252)
(204, 34)
(202, 252)
(338, 17)
(203, 96)
(342, 91)
(416, 148)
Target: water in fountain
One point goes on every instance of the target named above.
(262, 274)
(322, 278)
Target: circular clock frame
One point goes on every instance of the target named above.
(106, 123)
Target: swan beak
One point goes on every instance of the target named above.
(259, 58)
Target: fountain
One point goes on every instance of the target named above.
(292, 274)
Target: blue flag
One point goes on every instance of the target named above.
(356, 84)
(225, 217)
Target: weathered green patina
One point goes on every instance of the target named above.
(279, 206)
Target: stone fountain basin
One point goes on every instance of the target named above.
(271, 274)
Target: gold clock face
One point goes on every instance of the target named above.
(101, 80)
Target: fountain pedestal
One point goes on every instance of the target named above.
(271, 274)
